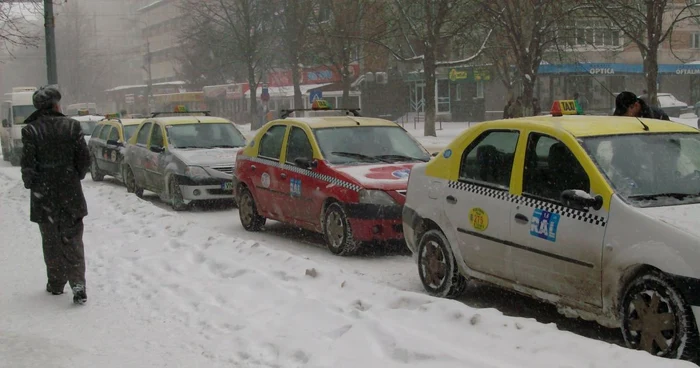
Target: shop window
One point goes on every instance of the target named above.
(480, 89)
(443, 95)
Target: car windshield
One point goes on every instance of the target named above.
(205, 135)
(650, 170)
(362, 144)
(129, 131)
(88, 126)
(21, 113)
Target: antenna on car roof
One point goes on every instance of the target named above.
(646, 127)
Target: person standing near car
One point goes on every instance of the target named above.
(628, 104)
(54, 161)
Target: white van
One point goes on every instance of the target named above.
(16, 110)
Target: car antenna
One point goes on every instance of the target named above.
(646, 127)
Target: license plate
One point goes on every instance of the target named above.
(227, 185)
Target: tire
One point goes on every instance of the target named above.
(678, 338)
(248, 212)
(338, 232)
(175, 194)
(95, 172)
(437, 267)
(130, 183)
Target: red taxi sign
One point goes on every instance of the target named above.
(566, 107)
(180, 108)
(320, 105)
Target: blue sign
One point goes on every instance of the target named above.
(544, 224)
(447, 153)
(315, 94)
(295, 187)
(401, 174)
(616, 68)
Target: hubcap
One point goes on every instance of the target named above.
(652, 322)
(335, 229)
(246, 209)
(434, 266)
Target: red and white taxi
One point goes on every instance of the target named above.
(342, 176)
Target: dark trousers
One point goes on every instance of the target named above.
(63, 252)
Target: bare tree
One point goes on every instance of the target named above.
(427, 27)
(203, 61)
(647, 24)
(18, 22)
(293, 20)
(530, 29)
(340, 29)
(244, 34)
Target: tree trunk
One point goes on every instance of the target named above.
(255, 122)
(346, 92)
(296, 80)
(651, 72)
(528, 93)
(429, 70)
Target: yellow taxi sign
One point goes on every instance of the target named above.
(83, 112)
(566, 107)
(320, 105)
(180, 109)
(112, 116)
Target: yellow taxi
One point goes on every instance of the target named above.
(184, 157)
(342, 176)
(106, 145)
(598, 215)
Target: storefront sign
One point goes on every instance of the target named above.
(616, 68)
(458, 75)
(603, 71)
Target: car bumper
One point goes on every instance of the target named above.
(205, 189)
(410, 221)
(371, 222)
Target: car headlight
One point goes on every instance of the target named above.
(379, 197)
(196, 172)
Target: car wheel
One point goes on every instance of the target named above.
(176, 200)
(248, 212)
(130, 182)
(95, 172)
(437, 267)
(338, 232)
(655, 318)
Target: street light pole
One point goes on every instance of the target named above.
(49, 25)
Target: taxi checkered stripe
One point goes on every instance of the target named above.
(311, 174)
(531, 202)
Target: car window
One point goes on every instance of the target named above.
(489, 159)
(298, 145)
(96, 132)
(142, 137)
(105, 132)
(271, 142)
(157, 137)
(551, 168)
(114, 135)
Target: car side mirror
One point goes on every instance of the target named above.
(580, 199)
(112, 142)
(157, 149)
(5, 123)
(434, 154)
(305, 163)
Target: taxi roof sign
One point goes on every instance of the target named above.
(114, 116)
(83, 112)
(180, 109)
(320, 105)
(566, 107)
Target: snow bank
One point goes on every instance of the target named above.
(166, 293)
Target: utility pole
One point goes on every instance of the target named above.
(49, 25)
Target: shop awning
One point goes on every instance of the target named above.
(616, 68)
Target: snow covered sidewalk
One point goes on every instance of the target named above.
(164, 293)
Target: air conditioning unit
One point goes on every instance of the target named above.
(369, 77)
(382, 78)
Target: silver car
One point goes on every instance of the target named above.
(183, 159)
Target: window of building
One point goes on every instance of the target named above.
(480, 89)
(592, 33)
(695, 38)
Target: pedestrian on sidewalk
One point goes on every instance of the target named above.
(55, 159)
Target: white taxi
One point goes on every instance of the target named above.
(598, 215)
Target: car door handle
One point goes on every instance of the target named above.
(283, 176)
(451, 199)
(521, 218)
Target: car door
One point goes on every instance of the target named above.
(138, 154)
(266, 173)
(556, 248)
(154, 159)
(102, 154)
(302, 202)
(478, 203)
(113, 154)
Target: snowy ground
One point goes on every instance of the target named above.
(194, 289)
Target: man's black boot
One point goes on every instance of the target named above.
(79, 294)
(54, 292)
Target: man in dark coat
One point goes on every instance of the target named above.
(628, 104)
(54, 161)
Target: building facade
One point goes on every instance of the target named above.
(160, 22)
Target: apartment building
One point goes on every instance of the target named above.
(160, 22)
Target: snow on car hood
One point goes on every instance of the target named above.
(683, 217)
(208, 156)
(383, 176)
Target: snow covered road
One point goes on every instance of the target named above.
(194, 289)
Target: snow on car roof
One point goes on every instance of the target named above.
(594, 125)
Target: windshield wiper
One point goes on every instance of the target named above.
(188, 147)
(679, 196)
(401, 158)
(225, 146)
(359, 156)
